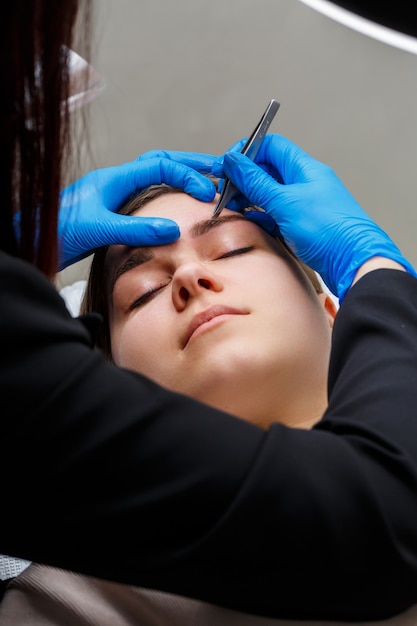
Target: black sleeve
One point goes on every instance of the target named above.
(108, 474)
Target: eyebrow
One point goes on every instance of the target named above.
(142, 255)
(205, 226)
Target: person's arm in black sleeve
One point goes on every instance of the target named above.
(110, 475)
(325, 521)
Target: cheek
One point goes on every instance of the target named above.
(291, 303)
(136, 341)
(274, 280)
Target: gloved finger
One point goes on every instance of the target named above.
(269, 168)
(256, 185)
(288, 160)
(279, 157)
(217, 167)
(131, 230)
(131, 177)
(197, 160)
(265, 221)
(126, 230)
(239, 203)
(266, 164)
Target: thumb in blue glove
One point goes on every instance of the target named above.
(88, 220)
(315, 214)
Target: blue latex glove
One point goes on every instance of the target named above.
(199, 161)
(315, 214)
(87, 218)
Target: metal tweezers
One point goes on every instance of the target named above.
(250, 149)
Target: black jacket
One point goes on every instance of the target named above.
(108, 474)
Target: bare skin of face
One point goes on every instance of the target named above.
(223, 314)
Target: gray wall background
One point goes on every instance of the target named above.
(196, 75)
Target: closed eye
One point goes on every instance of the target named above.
(236, 252)
(151, 293)
(147, 296)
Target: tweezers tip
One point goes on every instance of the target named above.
(216, 210)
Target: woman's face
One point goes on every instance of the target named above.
(223, 315)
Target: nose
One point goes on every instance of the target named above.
(191, 280)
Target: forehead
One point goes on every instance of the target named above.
(180, 207)
(194, 217)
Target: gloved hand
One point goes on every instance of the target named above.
(197, 160)
(315, 214)
(87, 218)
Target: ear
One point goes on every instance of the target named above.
(329, 307)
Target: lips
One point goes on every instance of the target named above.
(208, 314)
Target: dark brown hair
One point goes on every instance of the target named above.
(97, 297)
(35, 39)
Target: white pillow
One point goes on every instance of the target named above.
(73, 295)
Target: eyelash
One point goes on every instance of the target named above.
(237, 252)
(151, 292)
(145, 297)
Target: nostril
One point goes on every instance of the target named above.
(204, 283)
(184, 295)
